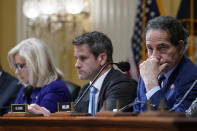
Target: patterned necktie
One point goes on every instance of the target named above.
(93, 91)
(161, 79)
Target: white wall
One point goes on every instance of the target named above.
(116, 19)
(21, 22)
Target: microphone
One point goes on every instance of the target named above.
(27, 91)
(123, 66)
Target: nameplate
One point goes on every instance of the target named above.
(19, 108)
(64, 107)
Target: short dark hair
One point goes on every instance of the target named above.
(175, 29)
(98, 43)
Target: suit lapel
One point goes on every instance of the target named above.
(103, 90)
(82, 106)
(174, 76)
(169, 87)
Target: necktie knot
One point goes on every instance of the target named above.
(93, 90)
(161, 78)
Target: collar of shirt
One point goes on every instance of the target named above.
(99, 81)
(167, 75)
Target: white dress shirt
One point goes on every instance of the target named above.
(98, 84)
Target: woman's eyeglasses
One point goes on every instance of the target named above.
(19, 66)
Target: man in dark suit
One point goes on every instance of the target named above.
(166, 39)
(92, 51)
(9, 88)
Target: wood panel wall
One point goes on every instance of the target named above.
(7, 30)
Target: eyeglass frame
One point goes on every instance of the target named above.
(19, 66)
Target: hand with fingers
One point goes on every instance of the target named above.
(149, 71)
(34, 108)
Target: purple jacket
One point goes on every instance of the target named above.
(47, 96)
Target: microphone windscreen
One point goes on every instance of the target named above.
(123, 66)
(28, 90)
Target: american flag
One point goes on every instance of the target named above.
(147, 9)
(187, 14)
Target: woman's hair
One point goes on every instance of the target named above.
(40, 63)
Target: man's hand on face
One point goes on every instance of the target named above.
(149, 71)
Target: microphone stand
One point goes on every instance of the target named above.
(131, 104)
(95, 78)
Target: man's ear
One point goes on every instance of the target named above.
(181, 46)
(102, 58)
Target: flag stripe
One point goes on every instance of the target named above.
(146, 10)
(191, 48)
(187, 14)
(161, 11)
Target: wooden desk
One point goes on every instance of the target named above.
(88, 123)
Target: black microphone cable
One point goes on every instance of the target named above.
(95, 78)
(131, 104)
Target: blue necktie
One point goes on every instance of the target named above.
(161, 79)
(93, 91)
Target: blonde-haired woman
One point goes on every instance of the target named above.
(34, 66)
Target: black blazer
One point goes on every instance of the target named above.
(116, 86)
(9, 89)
